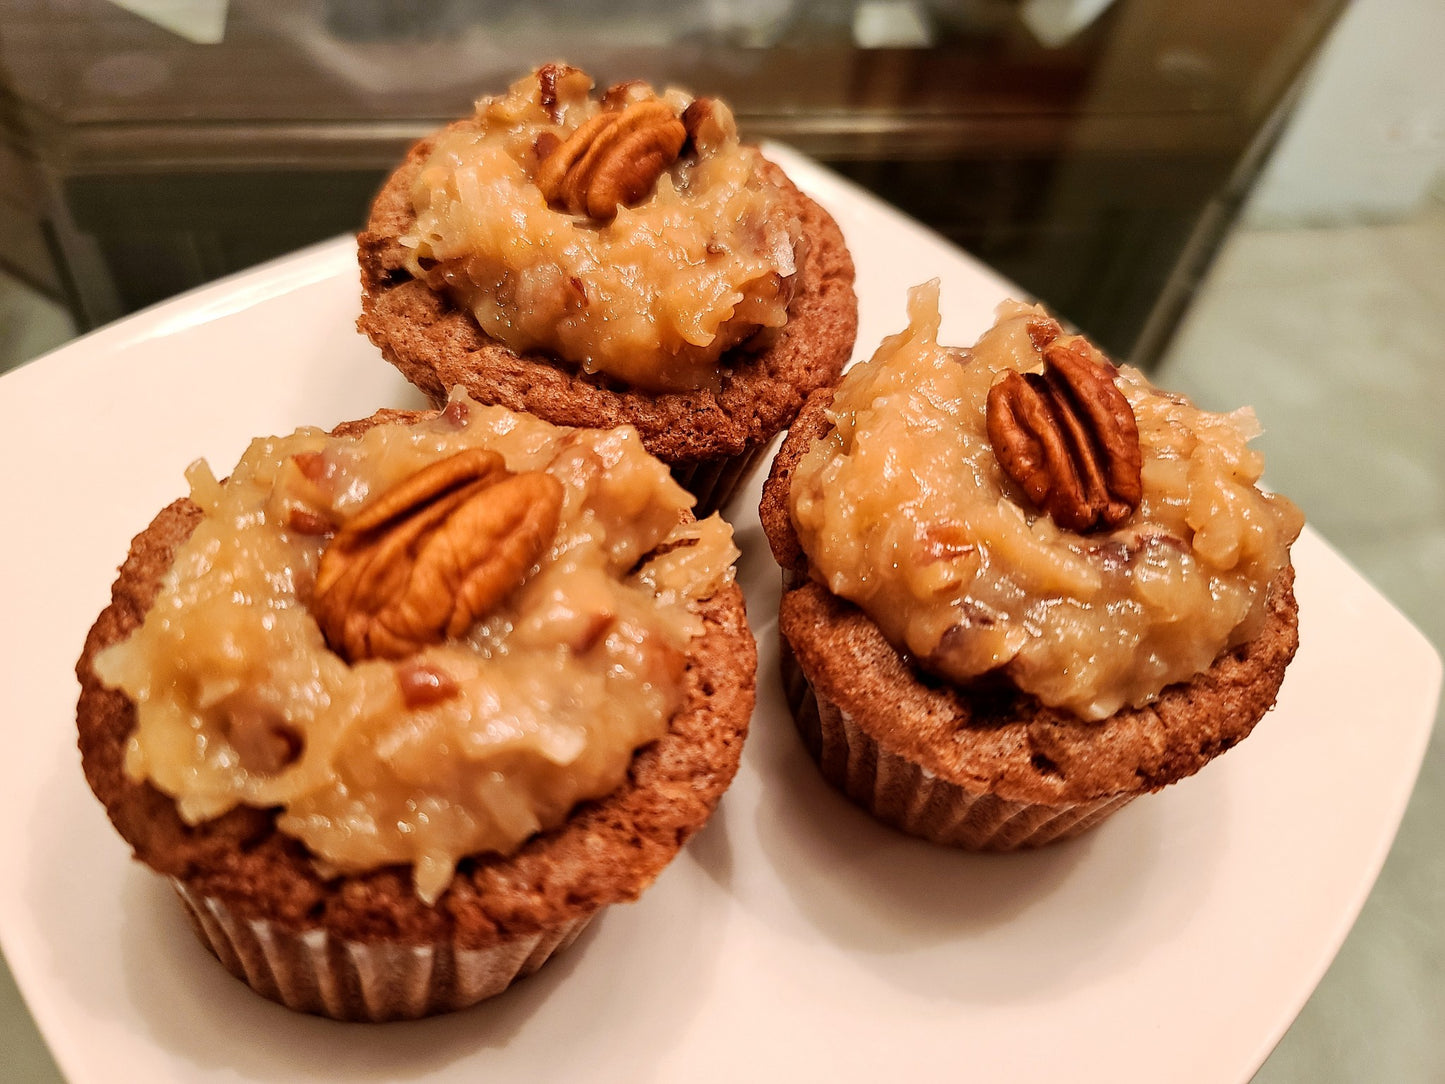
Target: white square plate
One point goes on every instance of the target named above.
(794, 938)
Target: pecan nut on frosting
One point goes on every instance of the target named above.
(1069, 437)
(430, 556)
(613, 160)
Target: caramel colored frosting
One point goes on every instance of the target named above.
(905, 510)
(500, 709)
(697, 263)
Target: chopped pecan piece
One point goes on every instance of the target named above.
(545, 144)
(945, 542)
(427, 558)
(1043, 330)
(547, 77)
(305, 521)
(709, 123)
(1068, 437)
(423, 684)
(621, 95)
(612, 160)
(303, 494)
(456, 412)
(262, 738)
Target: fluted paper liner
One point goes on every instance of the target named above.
(913, 799)
(314, 972)
(714, 481)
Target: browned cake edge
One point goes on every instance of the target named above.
(1000, 741)
(437, 346)
(608, 851)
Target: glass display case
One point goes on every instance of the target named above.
(1093, 152)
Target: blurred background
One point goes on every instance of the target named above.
(1249, 200)
(1094, 152)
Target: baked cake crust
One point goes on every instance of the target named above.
(437, 345)
(992, 738)
(608, 851)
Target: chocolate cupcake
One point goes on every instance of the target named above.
(597, 261)
(398, 710)
(1022, 587)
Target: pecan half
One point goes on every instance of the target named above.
(612, 160)
(1068, 437)
(427, 558)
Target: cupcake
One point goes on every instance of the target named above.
(399, 709)
(598, 260)
(1021, 586)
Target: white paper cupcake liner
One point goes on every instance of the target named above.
(314, 972)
